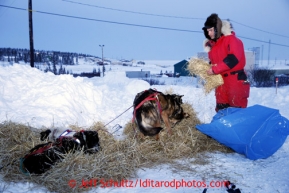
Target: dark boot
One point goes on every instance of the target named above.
(220, 106)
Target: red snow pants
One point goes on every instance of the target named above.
(233, 93)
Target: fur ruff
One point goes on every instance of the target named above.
(226, 31)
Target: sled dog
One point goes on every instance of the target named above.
(152, 107)
(43, 156)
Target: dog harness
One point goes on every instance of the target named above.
(40, 150)
(36, 151)
(151, 97)
(67, 133)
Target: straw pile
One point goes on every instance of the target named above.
(118, 160)
(199, 67)
(184, 142)
(115, 161)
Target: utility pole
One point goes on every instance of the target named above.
(102, 59)
(269, 52)
(262, 55)
(31, 33)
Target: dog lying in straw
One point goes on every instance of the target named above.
(43, 156)
(152, 107)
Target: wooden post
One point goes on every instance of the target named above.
(102, 60)
(276, 84)
(31, 33)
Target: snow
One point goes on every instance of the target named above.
(38, 99)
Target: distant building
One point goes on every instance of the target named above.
(180, 68)
(137, 74)
(250, 60)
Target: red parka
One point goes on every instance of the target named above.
(227, 56)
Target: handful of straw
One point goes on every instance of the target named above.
(199, 67)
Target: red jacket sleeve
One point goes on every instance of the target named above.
(232, 55)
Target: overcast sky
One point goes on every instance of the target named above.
(105, 22)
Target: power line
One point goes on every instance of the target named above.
(263, 41)
(105, 21)
(259, 29)
(134, 12)
(169, 16)
(3, 13)
(129, 24)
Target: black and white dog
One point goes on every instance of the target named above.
(86, 140)
(43, 156)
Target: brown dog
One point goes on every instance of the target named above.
(152, 107)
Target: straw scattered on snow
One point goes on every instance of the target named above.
(118, 160)
(200, 67)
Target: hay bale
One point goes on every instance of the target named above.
(200, 67)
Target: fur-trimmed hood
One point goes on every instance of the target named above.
(213, 21)
(226, 29)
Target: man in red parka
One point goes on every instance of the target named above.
(227, 57)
